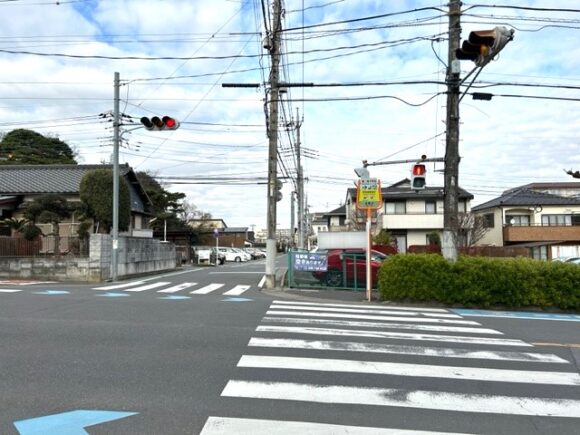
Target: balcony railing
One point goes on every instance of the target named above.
(539, 232)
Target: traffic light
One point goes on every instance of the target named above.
(278, 193)
(483, 45)
(156, 123)
(418, 176)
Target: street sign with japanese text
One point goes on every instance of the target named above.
(368, 194)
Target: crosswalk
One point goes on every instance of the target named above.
(343, 359)
(165, 287)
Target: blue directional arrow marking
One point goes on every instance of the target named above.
(67, 423)
(237, 300)
(175, 297)
(113, 295)
(52, 292)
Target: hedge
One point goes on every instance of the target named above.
(481, 281)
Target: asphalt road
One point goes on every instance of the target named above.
(181, 354)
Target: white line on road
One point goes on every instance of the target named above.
(371, 307)
(262, 281)
(115, 286)
(444, 401)
(178, 287)
(393, 335)
(382, 325)
(362, 311)
(374, 317)
(237, 290)
(252, 426)
(147, 287)
(414, 370)
(8, 290)
(396, 349)
(207, 289)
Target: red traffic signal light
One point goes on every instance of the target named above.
(483, 45)
(156, 123)
(418, 178)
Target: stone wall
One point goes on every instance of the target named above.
(136, 256)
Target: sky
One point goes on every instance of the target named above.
(58, 60)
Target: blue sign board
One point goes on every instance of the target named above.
(310, 262)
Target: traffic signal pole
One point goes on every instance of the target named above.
(451, 172)
(274, 46)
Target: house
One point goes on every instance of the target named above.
(544, 217)
(336, 220)
(235, 237)
(20, 184)
(409, 215)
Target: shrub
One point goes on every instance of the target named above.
(481, 281)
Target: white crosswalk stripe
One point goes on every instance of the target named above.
(143, 288)
(237, 290)
(207, 289)
(177, 288)
(355, 340)
(253, 426)
(168, 288)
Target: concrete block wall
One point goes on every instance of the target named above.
(136, 256)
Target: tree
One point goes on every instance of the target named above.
(383, 238)
(26, 147)
(574, 174)
(96, 192)
(472, 228)
(50, 209)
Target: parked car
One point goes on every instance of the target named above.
(353, 261)
(234, 254)
(573, 260)
(206, 254)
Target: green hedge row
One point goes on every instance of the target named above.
(481, 281)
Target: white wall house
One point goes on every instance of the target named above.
(531, 216)
(407, 214)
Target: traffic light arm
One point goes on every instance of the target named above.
(397, 162)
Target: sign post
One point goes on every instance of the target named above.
(369, 198)
(216, 234)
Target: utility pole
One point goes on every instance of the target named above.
(292, 221)
(274, 47)
(301, 216)
(451, 174)
(116, 126)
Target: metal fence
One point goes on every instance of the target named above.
(44, 246)
(313, 270)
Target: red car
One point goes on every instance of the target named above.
(351, 262)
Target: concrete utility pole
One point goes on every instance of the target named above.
(273, 44)
(301, 216)
(292, 221)
(451, 175)
(116, 126)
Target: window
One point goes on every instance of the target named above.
(518, 220)
(557, 219)
(462, 207)
(488, 220)
(430, 207)
(398, 207)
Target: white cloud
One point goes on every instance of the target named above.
(504, 142)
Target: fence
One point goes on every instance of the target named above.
(44, 246)
(318, 270)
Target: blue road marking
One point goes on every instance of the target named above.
(237, 300)
(174, 297)
(518, 315)
(67, 423)
(113, 295)
(52, 292)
